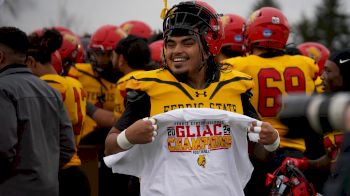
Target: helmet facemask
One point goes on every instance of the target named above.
(190, 18)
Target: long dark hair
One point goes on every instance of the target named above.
(43, 43)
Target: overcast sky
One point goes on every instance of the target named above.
(90, 14)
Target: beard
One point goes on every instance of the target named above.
(181, 76)
(109, 73)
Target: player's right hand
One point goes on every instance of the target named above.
(142, 131)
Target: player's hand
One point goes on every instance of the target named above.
(332, 144)
(142, 131)
(300, 163)
(267, 134)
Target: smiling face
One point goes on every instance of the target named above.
(331, 77)
(184, 55)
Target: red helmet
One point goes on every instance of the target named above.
(267, 28)
(233, 25)
(137, 28)
(56, 62)
(157, 51)
(289, 180)
(62, 29)
(71, 49)
(316, 51)
(197, 17)
(106, 38)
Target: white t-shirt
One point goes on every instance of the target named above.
(198, 151)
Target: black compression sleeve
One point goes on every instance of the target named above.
(248, 108)
(137, 106)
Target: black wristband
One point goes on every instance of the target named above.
(90, 109)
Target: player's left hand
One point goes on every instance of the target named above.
(267, 134)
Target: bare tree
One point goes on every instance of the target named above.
(66, 18)
(10, 9)
(329, 25)
(265, 3)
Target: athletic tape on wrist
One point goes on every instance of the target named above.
(258, 123)
(257, 129)
(272, 147)
(254, 137)
(153, 121)
(123, 142)
(155, 127)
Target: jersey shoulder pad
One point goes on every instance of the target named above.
(304, 59)
(231, 61)
(73, 72)
(309, 63)
(74, 82)
(232, 73)
(57, 82)
(147, 79)
(148, 74)
(245, 81)
(85, 67)
(128, 76)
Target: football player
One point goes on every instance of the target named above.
(71, 51)
(320, 54)
(99, 77)
(42, 45)
(233, 41)
(275, 74)
(123, 59)
(335, 79)
(193, 35)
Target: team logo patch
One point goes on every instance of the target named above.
(125, 31)
(314, 53)
(238, 38)
(267, 33)
(201, 160)
(71, 39)
(275, 20)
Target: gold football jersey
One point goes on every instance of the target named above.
(167, 93)
(74, 98)
(319, 86)
(99, 91)
(121, 93)
(275, 77)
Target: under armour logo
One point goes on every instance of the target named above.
(204, 94)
